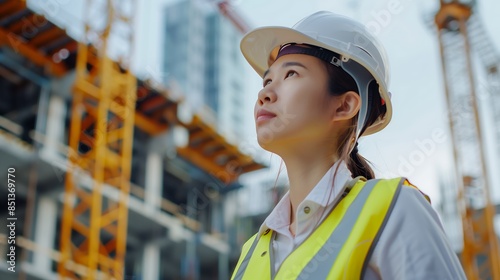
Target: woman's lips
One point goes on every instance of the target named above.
(264, 115)
(263, 118)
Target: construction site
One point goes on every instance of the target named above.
(112, 175)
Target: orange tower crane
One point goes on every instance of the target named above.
(460, 32)
(94, 227)
(232, 15)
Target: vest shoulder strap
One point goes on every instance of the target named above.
(249, 246)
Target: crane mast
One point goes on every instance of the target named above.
(460, 32)
(94, 227)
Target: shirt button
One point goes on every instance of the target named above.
(307, 209)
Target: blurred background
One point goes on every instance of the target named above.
(128, 146)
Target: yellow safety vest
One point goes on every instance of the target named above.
(341, 245)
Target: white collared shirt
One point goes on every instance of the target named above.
(412, 245)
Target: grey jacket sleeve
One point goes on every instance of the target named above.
(413, 244)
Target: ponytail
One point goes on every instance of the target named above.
(358, 165)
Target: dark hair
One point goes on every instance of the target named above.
(339, 83)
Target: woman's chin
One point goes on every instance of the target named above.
(273, 145)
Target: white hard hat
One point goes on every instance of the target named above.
(358, 49)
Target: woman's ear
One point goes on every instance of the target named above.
(347, 106)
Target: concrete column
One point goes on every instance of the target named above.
(151, 262)
(54, 133)
(42, 113)
(223, 266)
(224, 255)
(154, 180)
(161, 146)
(45, 232)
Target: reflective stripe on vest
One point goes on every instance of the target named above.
(339, 248)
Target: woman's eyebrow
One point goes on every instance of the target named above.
(265, 74)
(293, 63)
(284, 65)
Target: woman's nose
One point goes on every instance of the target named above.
(267, 95)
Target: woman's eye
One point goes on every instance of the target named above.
(266, 82)
(290, 73)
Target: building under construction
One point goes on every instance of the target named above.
(113, 176)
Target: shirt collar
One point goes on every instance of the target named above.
(280, 215)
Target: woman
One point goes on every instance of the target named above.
(325, 85)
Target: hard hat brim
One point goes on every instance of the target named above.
(259, 47)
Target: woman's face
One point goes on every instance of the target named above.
(294, 107)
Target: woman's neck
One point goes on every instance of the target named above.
(305, 170)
